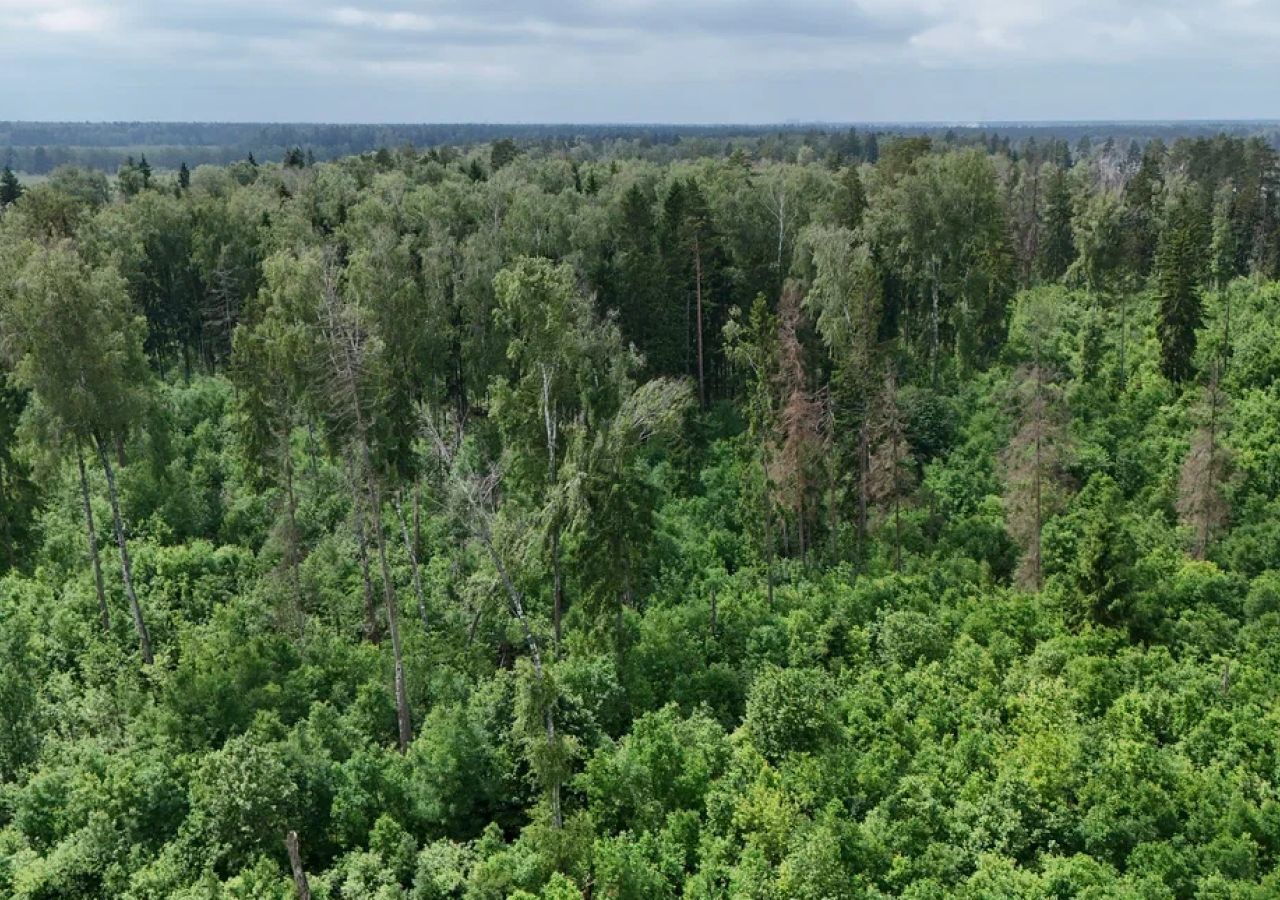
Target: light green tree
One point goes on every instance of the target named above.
(75, 341)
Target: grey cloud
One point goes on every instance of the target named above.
(724, 60)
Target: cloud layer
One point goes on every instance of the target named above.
(639, 60)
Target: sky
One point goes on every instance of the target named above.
(671, 61)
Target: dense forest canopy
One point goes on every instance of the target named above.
(769, 516)
(37, 148)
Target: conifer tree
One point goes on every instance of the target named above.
(1058, 249)
(1179, 268)
(10, 187)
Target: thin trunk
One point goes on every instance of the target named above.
(312, 443)
(1206, 512)
(552, 426)
(897, 509)
(409, 545)
(346, 356)
(371, 629)
(800, 536)
(126, 566)
(897, 535)
(768, 532)
(295, 863)
(782, 230)
(417, 515)
(557, 586)
(403, 720)
(864, 484)
(1036, 492)
(1226, 330)
(934, 317)
(1124, 333)
(104, 613)
(291, 511)
(697, 268)
(715, 615)
(517, 606)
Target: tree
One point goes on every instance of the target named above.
(19, 496)
(502, 153)
(10, 187)
(634, 286)
(753, 346)
(1141, 210)
(273, 371)
(1033, 459)
(472, 496)
(689, 246)
(564, 364)
(1098, 230)
(184, 177)
(1179, 267)
(349, 359)
(1202, 502)
(804, 436)
(1058, 248)
(942, 227)
(605, 497)
(847, 299)
(890, 468)
(76, 343)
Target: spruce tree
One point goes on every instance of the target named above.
(1059, 248)
(1178, 269)
(10, 187)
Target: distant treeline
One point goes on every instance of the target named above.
(40, 147)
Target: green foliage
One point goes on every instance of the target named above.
(776, 644)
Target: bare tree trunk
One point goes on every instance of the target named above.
(864, 484)
(768, 532)
(481, 530)
(291, 512)
(403, 721)
(1124, 332)
(1226, 330)
(371, 629)
(557, 586)
(697, 268)
(1036, 488)
(412, 549)
(552, 427)
(715, 616)
(897, 512)
(104, 613)
(126, 566)
(517, 606)
(295, 863)
(417, 515)
(935, 316)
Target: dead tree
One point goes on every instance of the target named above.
(104, 614)
(348, 347)
(295, 863)
(1202, 502)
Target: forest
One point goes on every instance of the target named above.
(878, 516)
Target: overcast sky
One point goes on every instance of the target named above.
(639, 60)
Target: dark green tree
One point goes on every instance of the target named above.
(1179, 270)
(10, 187)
